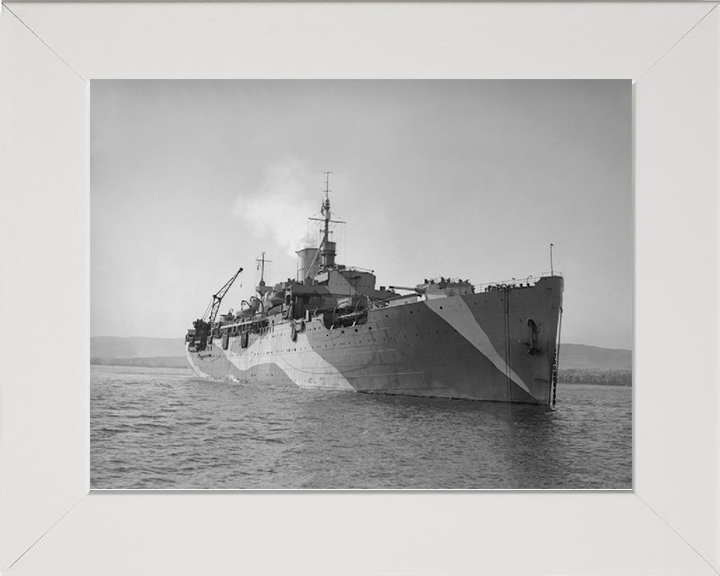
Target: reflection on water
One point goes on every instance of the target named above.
(160, 428)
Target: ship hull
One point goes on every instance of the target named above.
(497, 345)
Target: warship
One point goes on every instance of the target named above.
(332, 328)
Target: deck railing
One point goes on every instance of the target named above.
(516, 282)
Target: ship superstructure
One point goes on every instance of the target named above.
(332, 328)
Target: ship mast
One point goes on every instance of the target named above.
(327, 248)
(326, 212)
(261, 264)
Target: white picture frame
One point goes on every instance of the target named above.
(49, 520)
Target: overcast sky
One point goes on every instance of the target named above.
(192, 179)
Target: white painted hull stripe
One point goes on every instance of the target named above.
(461, 318)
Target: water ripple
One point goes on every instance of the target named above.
(163, 429)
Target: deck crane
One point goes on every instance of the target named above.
(212, 309)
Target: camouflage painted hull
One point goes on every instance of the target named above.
(496, 345)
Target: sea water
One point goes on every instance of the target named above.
(164, 428)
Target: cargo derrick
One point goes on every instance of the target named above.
(202, 327)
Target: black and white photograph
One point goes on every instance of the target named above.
(367, 284)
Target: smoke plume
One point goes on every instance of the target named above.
(279, 208)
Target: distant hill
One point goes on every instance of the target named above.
(145, 362)
(581, 357)
(133, 347)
